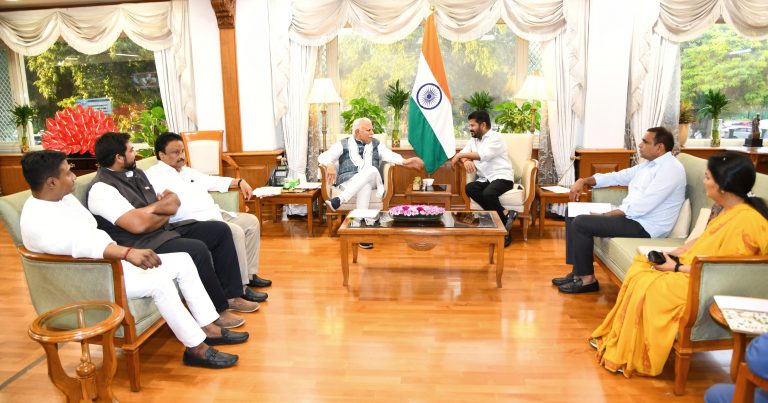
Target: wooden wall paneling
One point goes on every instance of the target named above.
(225, 17)
(592, 161)
(758, 155)
(443, 175)
(11, 176)
(702, 152)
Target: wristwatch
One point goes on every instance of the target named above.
(677, 266)
(239, 181)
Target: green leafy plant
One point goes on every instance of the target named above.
(396, 98)
(512, 118)
(687, 113)
(362, 108)
(715, 103)
(151, 123)
(22, 114)
(479, 101)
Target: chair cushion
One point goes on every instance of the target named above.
(511, 200)
(375, 203)
(617, 253)
(680, 230)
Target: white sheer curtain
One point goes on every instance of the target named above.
(303, 60)
(174, 73)
(89, 30)
(683, 20)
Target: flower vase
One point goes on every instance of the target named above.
(682, 133)
(24, 137)
(715, 138)
(395, 138)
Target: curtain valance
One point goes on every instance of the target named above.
(89, 30)
(316, 22)
(683, 20)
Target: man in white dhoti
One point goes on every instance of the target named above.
(53, 214)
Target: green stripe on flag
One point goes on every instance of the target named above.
(424, 140)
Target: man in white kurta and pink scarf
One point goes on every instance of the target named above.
(52, 214)
(359, 157)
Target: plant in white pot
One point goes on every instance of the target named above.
(687, 116)
(22, 115)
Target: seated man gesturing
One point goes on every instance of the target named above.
(52, 214)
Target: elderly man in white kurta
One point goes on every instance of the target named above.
(192, 187)
(52, 214)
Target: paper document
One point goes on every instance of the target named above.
(362, 213)
(581, 208)
(556, 189)
(267, 191)
(744, 315)
(309, 185)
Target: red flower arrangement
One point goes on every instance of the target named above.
(75, 130)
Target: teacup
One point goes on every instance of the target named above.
(427, 182)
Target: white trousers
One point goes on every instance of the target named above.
(246, 232)
(158, 283)
(360, 186)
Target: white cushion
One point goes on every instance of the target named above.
(680, 230)
(701, 224)
(511, 200)
(204, 156)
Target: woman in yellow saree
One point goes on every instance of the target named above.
(637, 335)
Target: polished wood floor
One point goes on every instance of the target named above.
(412, 327)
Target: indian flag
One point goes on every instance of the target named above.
(430, 119)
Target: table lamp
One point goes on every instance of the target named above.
(323, 92)
(534, 89)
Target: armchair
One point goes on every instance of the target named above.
(520, 198)
(746, 383)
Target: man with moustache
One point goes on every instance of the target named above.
(486, 154)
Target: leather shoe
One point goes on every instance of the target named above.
(365, 245)
(507, 240)
(258, 282)
(241, 305)
(578, 287)
(227, 337)
(254, 296)
(214, 359)
(558, 281)
(511, 215)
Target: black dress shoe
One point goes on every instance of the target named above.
(214, 359)
(507, 240)
(227, 337)
(510, 220)
(558, 281)
(365, 245)
(578, 287)
(259, 282)
(254, 296)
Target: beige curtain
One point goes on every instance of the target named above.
(683, 20)
(89, 30)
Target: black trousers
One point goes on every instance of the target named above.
(211, 247)
(580, 230)
(487, 194)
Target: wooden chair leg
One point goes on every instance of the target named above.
(745, 390)
(134, 369)
(682, 365)
(526, 224)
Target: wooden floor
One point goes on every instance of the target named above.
(412, 327)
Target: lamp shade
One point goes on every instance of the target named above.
(323, 92)
(533, 87)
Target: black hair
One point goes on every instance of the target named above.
(37, 166)
(110, 145)
(162, 141)
(663, 136)
(735, 173)
(480, 117)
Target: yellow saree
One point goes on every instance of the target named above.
(638, 333)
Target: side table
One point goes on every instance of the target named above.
(543, 198)
(437, 195)
(80, 322)
(739, 340)
(307, 197)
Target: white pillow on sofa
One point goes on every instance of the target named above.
(680, 230)
(701, 224)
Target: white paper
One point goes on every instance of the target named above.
(744, 315)
(362, 213)
(556, 189)
(581, 208)
(267, 191)
(741, 303)
(309, 185)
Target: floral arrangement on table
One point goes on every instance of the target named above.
(75, 129)
(416, 211)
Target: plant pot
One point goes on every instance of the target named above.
(715, 138)
(682, 133)
(395, 138)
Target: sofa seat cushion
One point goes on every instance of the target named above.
(375, 203)
(618, 253)
(511, 200)
(145, 312)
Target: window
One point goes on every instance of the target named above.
(721, 59)
(487, 64)
(8, 133)
(124, 77)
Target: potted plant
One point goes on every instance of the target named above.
(22, 115)
(516, 119)
(687, 116)
(479, 101)
(396, 99)
(74, 131)
(362, 108)
(151, 123)
(715, 103)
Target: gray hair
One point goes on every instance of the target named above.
(357, 122)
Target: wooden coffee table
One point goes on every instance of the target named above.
(439, 195)
(454, 227)
(307, 197)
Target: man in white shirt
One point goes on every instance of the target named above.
(192, 187)
(486, 154)
(359, 157)
(53, 214)
(656, 194)
(128, 209)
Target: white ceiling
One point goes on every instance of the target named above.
(6, 5)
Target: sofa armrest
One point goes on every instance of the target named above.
(612, 195)
(229, 201)
(722, 275)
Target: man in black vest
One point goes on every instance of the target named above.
(126, 207)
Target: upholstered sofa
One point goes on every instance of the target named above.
(710, 276)
(54, 281)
